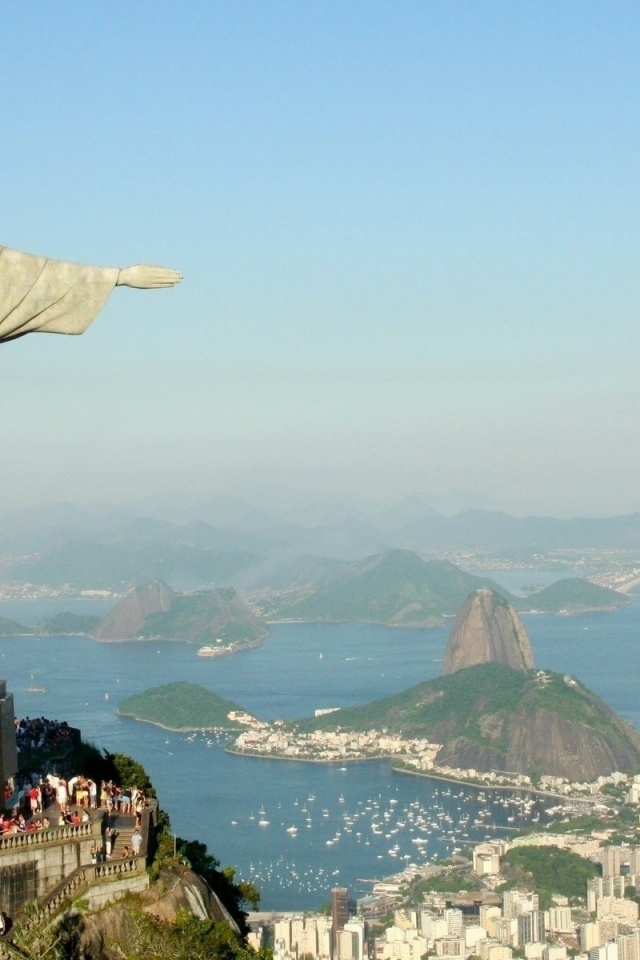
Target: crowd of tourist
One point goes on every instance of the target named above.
(38, 733)
(68, 802)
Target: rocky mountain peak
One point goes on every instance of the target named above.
(128, 618)
(487, 629)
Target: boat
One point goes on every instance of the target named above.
(210, 651)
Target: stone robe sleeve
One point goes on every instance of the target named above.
(49, 296)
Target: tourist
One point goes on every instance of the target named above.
(34, 800)
(109, 840)
(136, 842)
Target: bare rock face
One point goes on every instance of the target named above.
(487, 629)
(179, 889)
(127, 619)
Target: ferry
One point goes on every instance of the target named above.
(210, 651)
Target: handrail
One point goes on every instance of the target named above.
(13, 841)
(86, 876)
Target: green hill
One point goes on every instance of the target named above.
(400, 589)
(574, 595)
(205, 616)
(549, 870)
(63, 623)
(180, 706)
(396, 587)
(490, 717)
(9, 628)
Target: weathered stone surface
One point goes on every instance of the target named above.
(178, 889)
(127, 619)
(487, 629)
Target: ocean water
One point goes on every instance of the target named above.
(352, 824)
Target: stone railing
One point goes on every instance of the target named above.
(83, 877)
(19, 841)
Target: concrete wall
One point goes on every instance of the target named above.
(8, 753)
(32, 864)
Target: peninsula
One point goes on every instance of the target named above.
(492, 711)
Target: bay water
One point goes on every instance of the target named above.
(322, 825)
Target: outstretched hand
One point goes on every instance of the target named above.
(147, 276)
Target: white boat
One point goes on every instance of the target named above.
(210, 651)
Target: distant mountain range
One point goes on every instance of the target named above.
(397, 588)
(401, 589)
(226, 542)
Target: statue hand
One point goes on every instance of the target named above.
(146, 276)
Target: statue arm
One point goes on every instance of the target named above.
(53, 296)
(147, 276)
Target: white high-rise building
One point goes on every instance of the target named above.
(608, 951)
(629, 945)
(558, 920)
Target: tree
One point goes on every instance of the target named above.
(233, 896)
(36, 935)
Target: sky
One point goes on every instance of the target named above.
(410, 239)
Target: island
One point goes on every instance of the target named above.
(492, 711)
(183, 707)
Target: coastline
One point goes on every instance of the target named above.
(163, 726)
(515, 788)
(343, 761)
(474, 784)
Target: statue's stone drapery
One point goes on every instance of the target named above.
(49, 296)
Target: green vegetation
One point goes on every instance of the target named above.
(399, 588)
(38, 934)
(180, 706)
(453, 881)
(9, 628)
(492, 717)
(455, 700)
(71, 623)
(574, 595)
(396, 587)
(549, 870)
(205, 616)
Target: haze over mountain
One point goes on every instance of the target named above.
(399, 588)
(340, 531)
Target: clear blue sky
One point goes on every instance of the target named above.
(410, 235)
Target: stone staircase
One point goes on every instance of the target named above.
(124, 825)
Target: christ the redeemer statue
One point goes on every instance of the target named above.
(38, 295)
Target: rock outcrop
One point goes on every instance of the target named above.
(179, 889)
(487, 629)
(128, 618)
